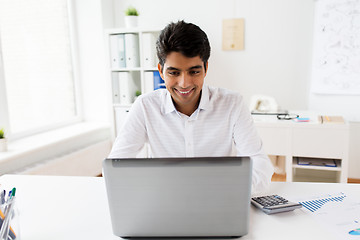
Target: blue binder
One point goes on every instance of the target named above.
(158, 81)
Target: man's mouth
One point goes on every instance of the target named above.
(182, 92)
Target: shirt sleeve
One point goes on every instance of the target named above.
(248, 143)
(132, 135)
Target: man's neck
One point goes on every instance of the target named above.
(187, 109)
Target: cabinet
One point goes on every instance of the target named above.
(132, 66)
(308, 141)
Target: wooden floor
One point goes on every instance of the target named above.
(282, 178)
(278, 178)
(353, 180)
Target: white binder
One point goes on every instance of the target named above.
(117, 51)
(127, 88)
(115, 88)
(148, 82)
(149, 47)
(132, 50)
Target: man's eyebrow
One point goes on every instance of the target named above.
(195, 67)
(172, 69)
(191, 68)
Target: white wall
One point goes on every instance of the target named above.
(92, 17)
(278, 43)
(354, 150)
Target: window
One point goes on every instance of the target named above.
(37, 86)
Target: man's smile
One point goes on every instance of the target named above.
(184, 92)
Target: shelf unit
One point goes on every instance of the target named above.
(131, 53)
(305, 173)
(306, 140)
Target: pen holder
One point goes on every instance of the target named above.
(9, 221)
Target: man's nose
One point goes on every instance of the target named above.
(184, 80)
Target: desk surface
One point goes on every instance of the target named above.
(272, 121)
(53, 207)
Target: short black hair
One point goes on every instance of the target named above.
(185, 38)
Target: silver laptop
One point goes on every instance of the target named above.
(179, 197)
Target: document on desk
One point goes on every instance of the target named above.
(337, 212)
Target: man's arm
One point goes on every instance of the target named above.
(248, 143)
(132, 136)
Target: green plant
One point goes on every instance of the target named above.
(2, 133)
(131, 11)
(137, 93)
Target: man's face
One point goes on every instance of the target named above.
(184, 78)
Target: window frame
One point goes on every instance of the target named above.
(74, 51)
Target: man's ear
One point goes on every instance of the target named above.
(207, 67)
(160, 68)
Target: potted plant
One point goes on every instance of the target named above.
(137, 94)
(131, 17)
(3, 141)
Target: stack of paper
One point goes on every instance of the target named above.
(316, 162)
(331, 119)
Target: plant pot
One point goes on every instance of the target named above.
(3, 144)
(131, 21)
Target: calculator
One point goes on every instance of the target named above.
(274, 204)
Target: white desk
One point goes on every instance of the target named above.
(306, 139)
(76, 208)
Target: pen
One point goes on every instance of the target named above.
(2, 200)
(8, 197)
(5, 226)
(6, 213)
(2, 197)
(13, 191)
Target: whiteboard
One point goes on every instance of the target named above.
(336, 52)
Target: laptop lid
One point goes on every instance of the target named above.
(179, 197)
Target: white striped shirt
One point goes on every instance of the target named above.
(221, 122)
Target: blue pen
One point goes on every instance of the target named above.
(13, 191)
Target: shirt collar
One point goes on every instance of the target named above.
(169, 105)
(203, 105)
(204, 101)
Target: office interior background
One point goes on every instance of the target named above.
(276, 61)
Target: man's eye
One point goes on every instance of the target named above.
(194, 72)
(173, 73)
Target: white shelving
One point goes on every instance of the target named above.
(306, 140)
(131, 54)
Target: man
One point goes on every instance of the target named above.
(189, 118)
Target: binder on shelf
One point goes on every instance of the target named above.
(153, 81)
(132, 50)
(148, 82)
(149, 49)
(115, 89)
(117, 51)
(127, 87)
(158, 81)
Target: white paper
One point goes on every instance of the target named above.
(337, 212)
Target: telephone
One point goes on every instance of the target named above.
(263, 103)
